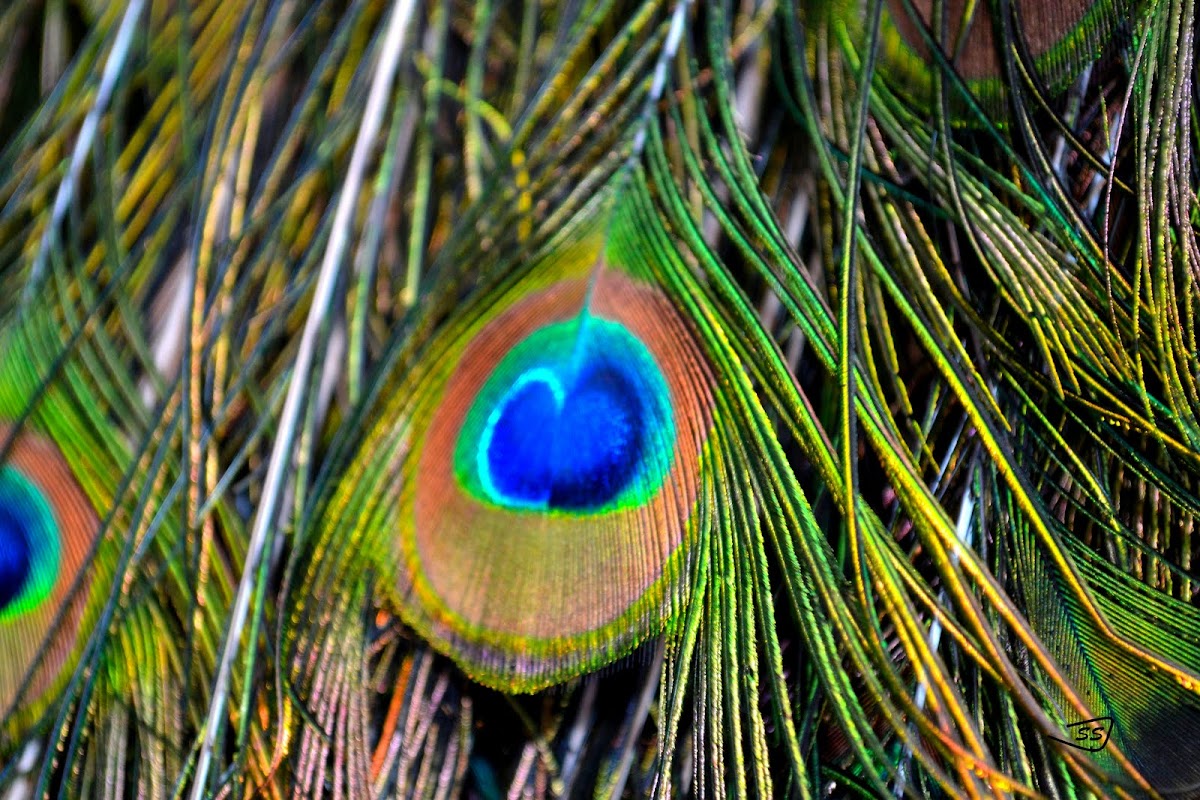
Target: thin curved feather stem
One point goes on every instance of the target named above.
(113, 67)
(392, 47)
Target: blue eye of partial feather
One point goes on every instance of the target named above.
(570, 448)
(29, 545)
(15, 557)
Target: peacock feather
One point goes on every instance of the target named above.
(552, 476)
(48, 527)
(603, 398)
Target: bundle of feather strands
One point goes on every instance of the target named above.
(599, 399)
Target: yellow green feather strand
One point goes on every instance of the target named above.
(1046, 46)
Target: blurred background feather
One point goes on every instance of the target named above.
(599, 398)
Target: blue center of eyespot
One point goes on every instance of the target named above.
(14, 557)
(556, 447)
(576, 418)
(29, 545)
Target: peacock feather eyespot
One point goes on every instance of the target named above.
(29, 545)
(47, 528)
(553, 477)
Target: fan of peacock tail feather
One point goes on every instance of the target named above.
(599, 398)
